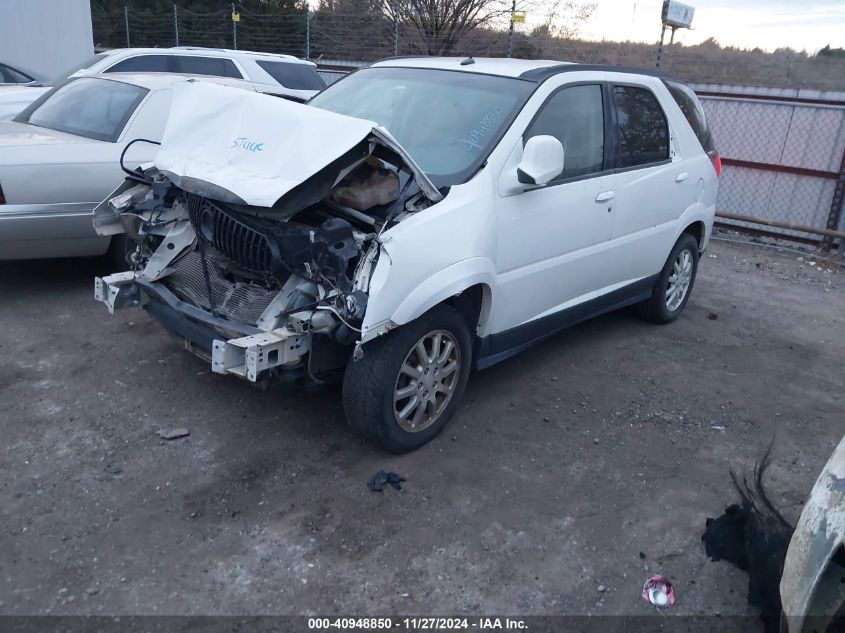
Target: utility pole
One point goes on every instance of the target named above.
(660, 46)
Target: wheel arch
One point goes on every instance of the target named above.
(698, 230)
(466, 285)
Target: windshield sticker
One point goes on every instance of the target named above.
(478, 134)
(245, 144)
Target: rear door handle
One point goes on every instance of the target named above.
(682, 177)
(604, 196)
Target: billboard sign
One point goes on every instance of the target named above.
(677, 14)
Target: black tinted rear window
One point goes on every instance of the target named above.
(643, 131)
(142, 64)
(691, 107)
(293, 76)
(213, 66)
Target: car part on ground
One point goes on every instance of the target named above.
(753, 535)
(812, 587)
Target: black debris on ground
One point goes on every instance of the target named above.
(753, 536)
(383, 478)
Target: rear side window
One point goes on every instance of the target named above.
(691, 107)
(643, 131)
(293, 76)
(142, 64)
(89, 107)
(213, 66)
(575, 117)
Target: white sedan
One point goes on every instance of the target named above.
(61, 156)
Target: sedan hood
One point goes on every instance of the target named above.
(253, 149)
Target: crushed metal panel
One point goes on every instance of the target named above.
(258, 148)
(807, 588)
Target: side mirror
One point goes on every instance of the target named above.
(542, 160)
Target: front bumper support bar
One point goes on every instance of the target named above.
(248, 356)
(117, 291)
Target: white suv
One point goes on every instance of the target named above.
(298, 76)
(419, 218)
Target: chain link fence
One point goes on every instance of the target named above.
(783, 157)
(309, 34)
(783, 151)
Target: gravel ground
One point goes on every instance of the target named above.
(569, 474)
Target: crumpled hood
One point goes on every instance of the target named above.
(258, 147)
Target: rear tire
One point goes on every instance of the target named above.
(405, 388)
(674, 284)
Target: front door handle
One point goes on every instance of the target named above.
(604, 196)
(682, 177)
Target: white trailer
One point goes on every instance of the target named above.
(46, 37)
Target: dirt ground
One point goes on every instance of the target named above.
(569, 475)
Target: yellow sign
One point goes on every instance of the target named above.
(236, 17)
(518, 18)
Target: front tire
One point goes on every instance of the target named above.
(674, 284)
(405, 388)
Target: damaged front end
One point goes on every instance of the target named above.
(259, 254)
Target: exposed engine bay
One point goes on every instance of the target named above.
(265, 292)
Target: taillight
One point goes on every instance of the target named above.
(716, 160)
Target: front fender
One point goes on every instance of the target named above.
(435, 289)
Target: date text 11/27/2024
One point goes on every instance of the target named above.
(418, 624)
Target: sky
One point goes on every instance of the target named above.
(768, 24)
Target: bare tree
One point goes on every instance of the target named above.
(441, 24)
(564, 19)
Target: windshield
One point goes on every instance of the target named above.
(448, 121)
(89, 107)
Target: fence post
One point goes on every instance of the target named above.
(234, 29)
(176, 23)
(307, 33)
(835, 215)
(510, 30)
(126, 24)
